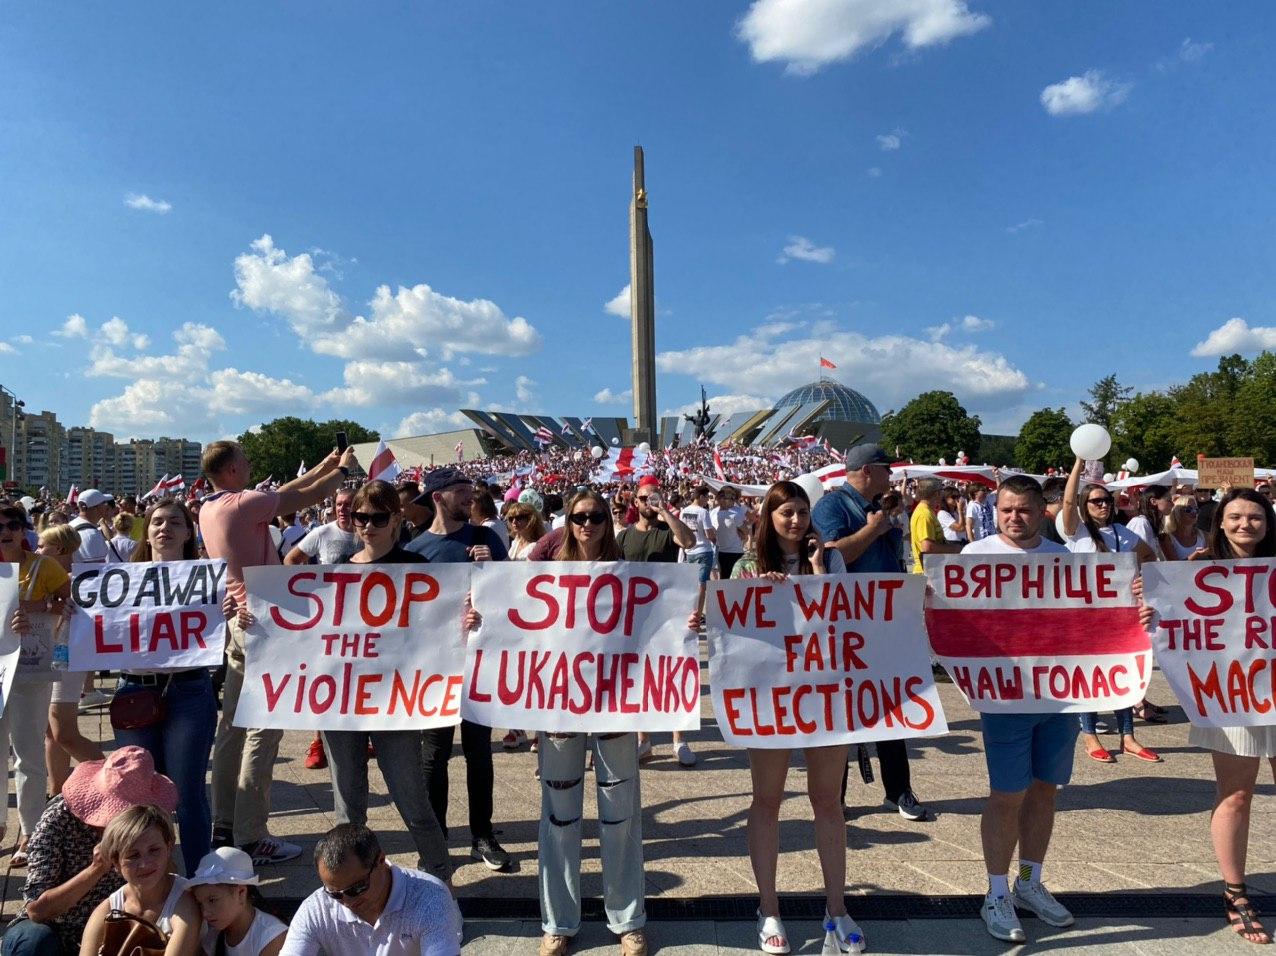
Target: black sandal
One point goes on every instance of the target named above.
(1242, 917)
(1150, 713)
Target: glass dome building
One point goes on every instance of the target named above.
(846, 404)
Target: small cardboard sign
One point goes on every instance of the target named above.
(1217, 472)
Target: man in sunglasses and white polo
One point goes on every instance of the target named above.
(370, 907)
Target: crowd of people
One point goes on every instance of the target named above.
(100, 852)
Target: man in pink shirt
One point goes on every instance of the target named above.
(235, 525)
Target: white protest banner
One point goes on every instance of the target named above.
(598, 647)
(1039, 633)
(819, 660)
(10, 645)
(1214, 637)
(354, 647)
(148, 616)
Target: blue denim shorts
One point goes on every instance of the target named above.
(706, 562)
(1021, 748)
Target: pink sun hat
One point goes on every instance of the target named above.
(100, 790)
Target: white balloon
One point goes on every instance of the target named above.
(1091, 442)
(596, 451)
(643, 449)
(615, 441)
(811, 485)
(1132, 465)
(1107, 477)
(942, 461)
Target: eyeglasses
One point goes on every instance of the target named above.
(580, 518)
(519, 519)
(378, 519)
(354, 890)
(1100, 502)
(14, 524)
(1190, 511)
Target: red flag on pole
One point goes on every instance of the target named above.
(825, 363)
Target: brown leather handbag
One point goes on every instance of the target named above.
(129, 935)
(137, 709)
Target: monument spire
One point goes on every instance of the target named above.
(642, 308)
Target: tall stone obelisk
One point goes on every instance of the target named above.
(642, 309)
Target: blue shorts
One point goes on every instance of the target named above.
(706, 562)
(1021, 748)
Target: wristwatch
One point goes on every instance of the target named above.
(344, 470)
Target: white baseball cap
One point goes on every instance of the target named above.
(226, 864)
(91, 498)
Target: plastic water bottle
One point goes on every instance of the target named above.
(61, 656)
(830, 939)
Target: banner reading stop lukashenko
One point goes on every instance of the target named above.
(1213, 637)
(1039, 633)
(354, 647)
(584, 647)
(818, 660)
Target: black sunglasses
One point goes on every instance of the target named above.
(580, 518)
(14, 524)
(354, 890)
(519, 519)
(1096, 502)
(378, 519)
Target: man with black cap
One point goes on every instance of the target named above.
(851, 520)
(451, 538)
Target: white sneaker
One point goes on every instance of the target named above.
(94, 698)
(686, 756)
(645, 752)
(271, 850)
(1036, 898)
(999, 916)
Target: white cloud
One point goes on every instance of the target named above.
(431, 420)
(25, 339)
(939, 332)
(267, 280)
(1190, 51)
(1236, 335)
(73, 328)
(973, 323)
(619, 304)
(873, 172)
(7, 349)
(758, 362)
(395, 383)
(196, 345)
(233, 392)
(802, 248)
(809, 34)
(1083, 94)
(724, 405)
(969, 323)
(889, 142)
(606, 396)
(525, 390)
(147, 204)
(1025, 224)
(116, 332)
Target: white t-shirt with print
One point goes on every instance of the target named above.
(697, 519)
(1117, 537)
(995, 544)
(329, 544)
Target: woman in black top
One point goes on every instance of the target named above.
(377, 515)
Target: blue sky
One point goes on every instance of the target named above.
(214, 217)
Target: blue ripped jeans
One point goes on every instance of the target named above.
(180, 746)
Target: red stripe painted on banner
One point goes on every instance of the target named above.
(1036, 632)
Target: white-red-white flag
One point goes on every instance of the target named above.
(158, 489)
(176, 483)
(718, 468)
(265, 485)
(383, 467)
(73, 495)
(1175, 463)
(622, 463)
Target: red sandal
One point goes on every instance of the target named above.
(1102, 755)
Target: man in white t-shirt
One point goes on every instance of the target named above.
(369, 907)
(331, 543)
(1029, 756)
(696, 517)
(93, 508)
(730, 528)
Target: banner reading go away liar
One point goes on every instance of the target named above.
(163, 615)
(1042, 633)
(820, 660)
(1214, 637)
(354, 646)
(575, 647)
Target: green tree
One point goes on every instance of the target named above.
(1205, 409)
(1106, 396)
(279, 447)
(1252, 432)
(995, 450)
(930, 427)
(1144, 428)
(1043, 441)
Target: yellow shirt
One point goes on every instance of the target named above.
(923, 526)
(49, 577)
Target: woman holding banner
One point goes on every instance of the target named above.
(1245, 528)
(43, 587)
(178, 731)
(590, 537)
(377, 515)
(785, 544)
(1087, 524)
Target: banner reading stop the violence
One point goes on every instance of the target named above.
(576, 647)
(820, 660)
(1213, 637)
(1041, 633)
(354, 647)
(162, 615)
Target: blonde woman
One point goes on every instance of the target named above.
(1181, 536)
(526, 527)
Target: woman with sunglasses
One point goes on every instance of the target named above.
(1087, 523)
(1182, 536)
(786, 545)
(377, 514)
(590, 537)
(526, 528)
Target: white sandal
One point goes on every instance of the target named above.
(850, 938)
(771, 928)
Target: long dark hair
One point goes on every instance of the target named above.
(190, 550)
(1093, 527)
(1147, 506)
(570, 550)
(767, 546)
(1218, 545)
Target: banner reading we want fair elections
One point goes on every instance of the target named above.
(819, 660)
(1039, 633)
(1214, 637)
(584, 647)
(354, 647)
